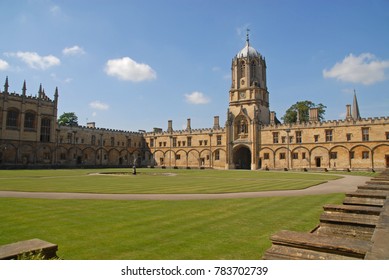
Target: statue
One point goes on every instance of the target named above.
(134, 168)
(242, 126)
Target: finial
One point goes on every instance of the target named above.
(24, 89)
(247, 36)
(40, 91)
(355, 113)
(6, 85)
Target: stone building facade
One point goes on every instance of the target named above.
(252, 137)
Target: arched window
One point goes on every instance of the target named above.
(253, 70)
(93, 140)
(29, 120)
(45, 130)
(242, 69)
(12, 118)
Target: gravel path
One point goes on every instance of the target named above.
(348, 183)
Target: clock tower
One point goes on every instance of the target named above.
(248, 108)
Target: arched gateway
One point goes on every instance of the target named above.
(242, 158)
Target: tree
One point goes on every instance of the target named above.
(303, 108)
(68, 119)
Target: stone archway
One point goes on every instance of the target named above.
(242, 158)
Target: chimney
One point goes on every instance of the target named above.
(216, 124)
(348, 112)
(272, 117)
(91, 125)
(313, 115)
(188, 127)
(170, 126)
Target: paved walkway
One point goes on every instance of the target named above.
(346, 184)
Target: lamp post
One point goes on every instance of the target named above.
(287, 144)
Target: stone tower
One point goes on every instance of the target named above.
(248, 108)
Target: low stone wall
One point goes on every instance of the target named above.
(357, 229)
(19, 249)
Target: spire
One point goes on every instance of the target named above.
(56, 97)
(6, 85)
(40, 91)
(355, 113)
(24, 89)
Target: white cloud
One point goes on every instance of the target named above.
(98, 105)
(364, 69)
(35, 61)
(129, 70)
(197, 97)
(3, 65)
(75, 50)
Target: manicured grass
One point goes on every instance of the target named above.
(204, 229)
(157, 181)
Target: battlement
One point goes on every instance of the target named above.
(196, 131)
(329, 123)
(21, 97)
(98, 130)
(5, 94)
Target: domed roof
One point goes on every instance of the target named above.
(248, 51)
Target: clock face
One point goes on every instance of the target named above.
(242, 95)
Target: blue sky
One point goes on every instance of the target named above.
(134, 65)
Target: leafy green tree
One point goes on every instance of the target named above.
(302, 107)
(68, 119)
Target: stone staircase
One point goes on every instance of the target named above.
(357, 229)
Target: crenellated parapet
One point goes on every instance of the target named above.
(197, 131)
(6, 95)
(329, 123)
(99, 130)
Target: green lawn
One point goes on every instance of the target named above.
(203, 229)
(198, 229)
(157, 181)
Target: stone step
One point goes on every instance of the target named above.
(345, 231)
(376, 182)
(367, 198)
(348, 224)
(378, 179)
(279, 252)
(349, 219)
(14, 250)
(363, 201)
(367, 210)
(297, 245)
(377, 192)
(374, 187)
(367, 194)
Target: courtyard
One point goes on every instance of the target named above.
(230, 228)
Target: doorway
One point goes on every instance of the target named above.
(387, 161)
(318, 161)
(242, 158)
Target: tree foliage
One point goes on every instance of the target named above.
(302, 107)
(68, 119)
